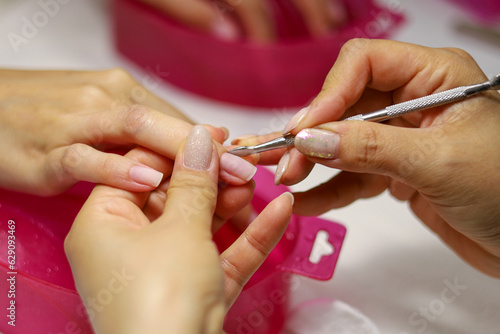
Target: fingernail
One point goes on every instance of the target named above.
(225, 130)
(225, 30)
(236, 141)
(237, 167)
(290, 196)
(281, 168)
(145, 175)
(317, 143)
(295, 120)
(198, 149)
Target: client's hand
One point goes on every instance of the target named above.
(320, 16)
(58, 126)
(174, 279)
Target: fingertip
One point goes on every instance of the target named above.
(147, 176)
(242, 139)
(235, 170)
(218, 133)
(289, 196)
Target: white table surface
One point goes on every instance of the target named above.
(391, 266)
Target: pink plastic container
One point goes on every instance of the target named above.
(289, 72)
(45, 296)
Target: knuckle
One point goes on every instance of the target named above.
(233, 272)
(460, 54)
(72, 157)
(261, 248)
(368, 143)
(92, 94)
(108, 167)
(117, 76)
(353, 46)
(460, 63)
(136, 118)
(198, 184)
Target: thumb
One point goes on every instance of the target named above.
(192, 193)
(367, 147)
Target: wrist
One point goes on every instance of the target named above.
(150, 311)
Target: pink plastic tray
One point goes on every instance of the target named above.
(45, 296)
(487, 11)
(287, 73)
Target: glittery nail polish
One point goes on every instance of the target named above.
(198, 149)
(317, 143)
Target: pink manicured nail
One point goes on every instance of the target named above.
(317, 143)
(237, 167)
(198, 149)
(295, 120)
(145, 175)
(281, 168)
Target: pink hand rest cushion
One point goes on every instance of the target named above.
(45, 299)
(288, 73)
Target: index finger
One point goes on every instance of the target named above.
(406, 70)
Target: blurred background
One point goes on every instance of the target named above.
(390, 266)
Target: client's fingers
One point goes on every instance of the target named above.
(80, 162)
(192, 193)
(248, 252)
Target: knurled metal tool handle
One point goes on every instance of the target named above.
(429, 101)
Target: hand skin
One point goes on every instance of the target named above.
(321, 17)
(58, 126)
(177, 282)
(443, 161)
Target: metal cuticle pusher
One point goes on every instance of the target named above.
(396, 110)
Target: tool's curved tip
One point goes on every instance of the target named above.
(241, 151)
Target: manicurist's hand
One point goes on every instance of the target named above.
(58, 128)
(160, 245)
(254, 16)
(444, 161)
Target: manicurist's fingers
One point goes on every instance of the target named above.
(340, 191)
(367, 147)
(385, 66)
